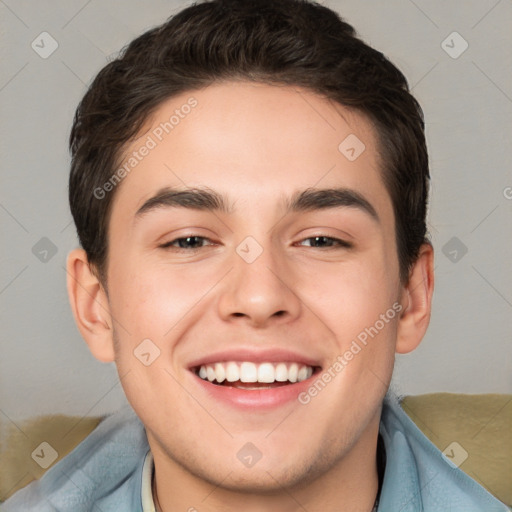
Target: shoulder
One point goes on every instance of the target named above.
(103, 468)
(418, 476)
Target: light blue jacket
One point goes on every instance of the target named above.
(105, 470)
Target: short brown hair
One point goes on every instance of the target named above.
(289, 42)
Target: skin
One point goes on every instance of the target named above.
(255, 144)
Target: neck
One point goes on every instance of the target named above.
(351, 484)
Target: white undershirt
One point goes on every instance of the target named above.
(146, 494)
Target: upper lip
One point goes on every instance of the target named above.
(274, 355)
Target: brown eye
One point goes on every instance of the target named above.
(185, 243)
(328, 242)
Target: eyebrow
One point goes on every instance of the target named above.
(302, 201)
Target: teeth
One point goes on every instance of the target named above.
(281, 373)
(266, 372)
(220, 372)
(303, 373)
(293, 372)
(250, 372)
(232, 372)
(210, 373)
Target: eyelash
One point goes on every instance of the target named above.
(169, 245)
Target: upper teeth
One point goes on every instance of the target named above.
(232, 371)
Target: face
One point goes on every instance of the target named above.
(249, 269)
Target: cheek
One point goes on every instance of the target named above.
(151, 298)
(354, 294)
(146, 304)
(355, 305)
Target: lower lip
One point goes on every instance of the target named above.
(256, 398)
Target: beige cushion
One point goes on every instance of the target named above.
(17, 467)
(480, 424)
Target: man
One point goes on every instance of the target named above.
(249, 184)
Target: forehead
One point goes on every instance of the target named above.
(256, 144)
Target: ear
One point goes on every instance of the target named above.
(90, 306)
(416, 302)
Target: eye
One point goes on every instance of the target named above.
(327, 242)
(187, 243)
(193, 243)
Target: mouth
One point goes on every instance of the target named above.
(253, 380)
(250, 376)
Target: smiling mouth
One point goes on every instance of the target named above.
(252, 376)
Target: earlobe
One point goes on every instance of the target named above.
(90, 306)
(417, 302)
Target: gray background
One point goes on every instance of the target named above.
(46, 367)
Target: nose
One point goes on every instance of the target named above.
(260, 292)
